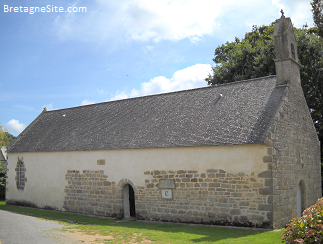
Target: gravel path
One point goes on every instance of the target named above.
(21, 229)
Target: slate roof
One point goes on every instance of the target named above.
(233, 113)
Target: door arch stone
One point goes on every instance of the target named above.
(129, 192)
(129, 205)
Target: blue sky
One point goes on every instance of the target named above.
(116, 49)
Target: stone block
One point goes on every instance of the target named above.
(264, 207)
(181, 212)
(235, 194)
(223, 216)
(257, 184)
(243, 219)
(267, 159)
(225, 186)
(233, 182)
(265, 191)
(257, 217)
(235, 211)
(220, 175)
(243, 182)
(270, 199)
(265, 174)
(196, 220)
(189, 185)
(268, 182)
(244, 203)
(101, 162)
(224, 200)
(214, 185)
(220, 189)
(150, 185)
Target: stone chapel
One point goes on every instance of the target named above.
(244, 153)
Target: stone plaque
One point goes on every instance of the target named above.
(166, 184)
(101, 162)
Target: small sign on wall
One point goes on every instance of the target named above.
(167, 194)
(100, 162)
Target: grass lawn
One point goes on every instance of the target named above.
(111, 231)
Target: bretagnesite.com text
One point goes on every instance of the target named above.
(44, 9)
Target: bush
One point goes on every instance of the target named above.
(308, 228)
(3, 169)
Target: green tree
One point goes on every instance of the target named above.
(254, 56)
(2, 142)
(250, 57)
(317, 9)
(3, 169)
(5, 139)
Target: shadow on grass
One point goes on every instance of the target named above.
(172, 233)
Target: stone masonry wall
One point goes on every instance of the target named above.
(91, 193)
(211, 197)
(295, 151)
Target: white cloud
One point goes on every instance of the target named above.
(14, 126)
(298, 10)
(140, 20)
(171, 20)
(86, 102)
(146, 20)
(188, 78)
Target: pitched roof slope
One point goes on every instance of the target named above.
(233, 113)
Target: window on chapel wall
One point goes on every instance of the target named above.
(20, 178)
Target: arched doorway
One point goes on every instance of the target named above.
(129, 207)
(300, 198)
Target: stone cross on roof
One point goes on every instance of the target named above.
(282, 11)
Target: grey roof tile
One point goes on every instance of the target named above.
(233, 113)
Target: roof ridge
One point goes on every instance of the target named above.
(165, 93)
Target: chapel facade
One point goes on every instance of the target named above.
(244, 153)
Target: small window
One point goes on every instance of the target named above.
(20, 179)
(293, 51)
(21, 174)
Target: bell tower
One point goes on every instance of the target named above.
(287, 66)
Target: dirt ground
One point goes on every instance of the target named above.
(75, 236)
